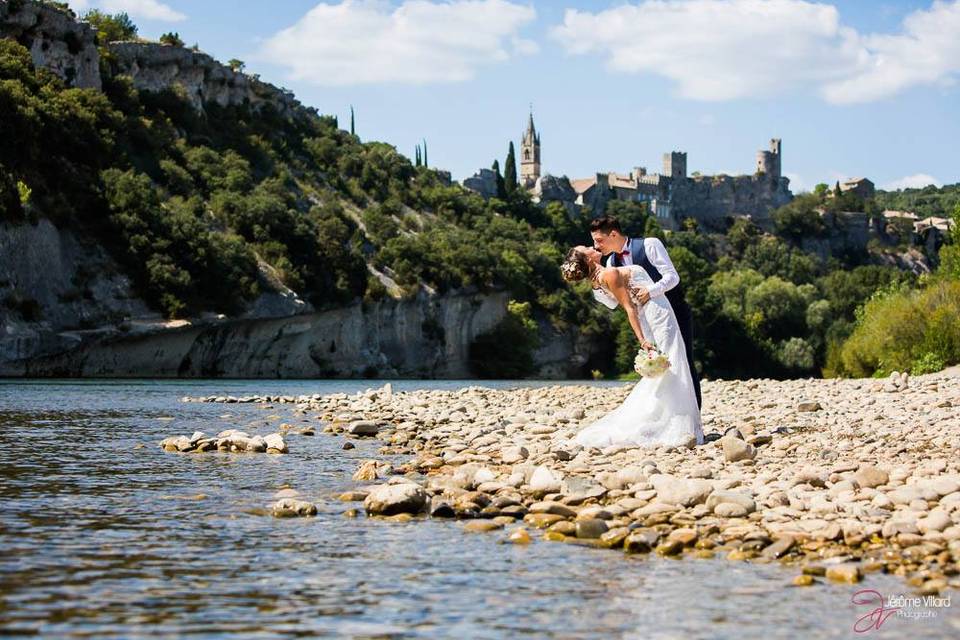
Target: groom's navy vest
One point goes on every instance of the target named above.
(639, 254)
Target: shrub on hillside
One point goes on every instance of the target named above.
(906, 330)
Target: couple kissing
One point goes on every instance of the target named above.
(636, 274)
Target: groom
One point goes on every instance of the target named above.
(621, 251)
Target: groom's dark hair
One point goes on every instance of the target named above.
(605, 224)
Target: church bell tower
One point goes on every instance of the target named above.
(530, 155)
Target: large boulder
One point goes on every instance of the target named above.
(390, 499)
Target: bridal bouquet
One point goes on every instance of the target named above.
(651, 364)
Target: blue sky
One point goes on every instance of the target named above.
(853, 88)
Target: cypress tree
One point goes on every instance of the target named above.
(352, 130)
(417, 157)
(510, 170)
(501, 189)
(425, 154)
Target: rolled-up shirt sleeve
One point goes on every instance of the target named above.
(659, 258)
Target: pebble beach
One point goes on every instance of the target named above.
(835, 478)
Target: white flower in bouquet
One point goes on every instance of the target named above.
(651, 364)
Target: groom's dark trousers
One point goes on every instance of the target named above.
(677, 300)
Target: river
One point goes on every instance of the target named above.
(104, 535)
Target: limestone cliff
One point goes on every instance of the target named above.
(67, 310)
(425, 337)
(157, 67)
(55, 39)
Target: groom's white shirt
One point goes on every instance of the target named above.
(658, 257)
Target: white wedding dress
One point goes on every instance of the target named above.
(660, 411)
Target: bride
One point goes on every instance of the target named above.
(661, 410)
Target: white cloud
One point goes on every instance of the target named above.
(146, 9)
(926, 53)
(143, 9)
(916, 181)
(729, 49)
(417, 42)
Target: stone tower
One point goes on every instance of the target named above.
(530, 155)
(769, 162)
(675, 164)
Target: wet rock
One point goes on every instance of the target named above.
(389, 499)
(590, 528)
(552, 507)
(292, 508)
(519, 536)
(275, 443)
(641, 541)
(844, 572)
(779, 548)
(685, 536)
(366, 472)
(363, 428)
(542, 520)
(670, 548)
(346, 446)
(482, 526)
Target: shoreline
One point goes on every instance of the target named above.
(836, 478)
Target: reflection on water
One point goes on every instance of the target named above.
(104, 535)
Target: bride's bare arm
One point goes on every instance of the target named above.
(616, 282)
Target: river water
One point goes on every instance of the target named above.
(103, 535)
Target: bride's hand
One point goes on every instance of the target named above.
(646, 345)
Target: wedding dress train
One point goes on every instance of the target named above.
(659, 411)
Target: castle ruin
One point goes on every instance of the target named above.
(672, 196)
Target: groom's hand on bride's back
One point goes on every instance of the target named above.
(640, 295)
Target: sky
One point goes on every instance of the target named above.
(859, 88)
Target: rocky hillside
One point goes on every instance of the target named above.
(165, 214)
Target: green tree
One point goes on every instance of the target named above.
(172, 39)
(236, 65)
(353, 130)
(743, 233)
(906, 330)
(111, 27)
(799, 219)
(510, 170)
(501, 185)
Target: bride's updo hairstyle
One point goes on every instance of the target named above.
(575, 266)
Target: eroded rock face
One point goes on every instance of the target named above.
(156, 67)
(56, 40)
